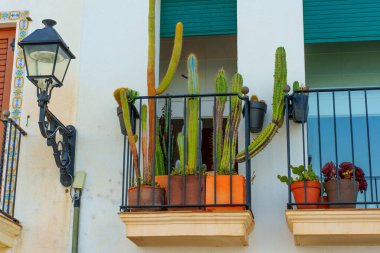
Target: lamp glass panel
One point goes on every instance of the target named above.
(62, 62)
(40, 59)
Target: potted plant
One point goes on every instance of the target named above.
(258, 109)
(341, 185)
(300, 106)
(142, 191)
(305, 184)
(189, 189)
(227, 187)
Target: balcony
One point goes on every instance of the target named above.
(176, 197)
(340, 144)
(10, 139)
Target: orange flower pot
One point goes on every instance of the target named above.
(162, 181)
(223, 192)
(313, 193)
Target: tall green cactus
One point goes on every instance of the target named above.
(220, 87)
(128, 127)
(151, 73)
(192, 113)
(264, 138)
(233, 121)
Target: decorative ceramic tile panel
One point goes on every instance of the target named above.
(10, 162)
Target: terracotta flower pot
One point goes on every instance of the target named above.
(345, 194)
(324, 200)
(145, 198)
(193, 191)
(313, 192)
(162, 181)
(223, 195)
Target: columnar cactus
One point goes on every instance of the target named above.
(220, 87)
(127, 121)
(192, 113)
(233, 121)
(152, 90)
(264, 138)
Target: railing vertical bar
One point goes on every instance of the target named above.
(6, 169)
(230, 134)
(377, 198)
(368, 143)
(319, 143)
(215, 162)
(288, 149)
(352, 140)
(5, 122)
(154, 152)
(124, 184)
(169, 112)
(185, 152)
(199, 156)
(336, 142)
(16, 173)
(247, 160)
(304, 152)
(139, 139)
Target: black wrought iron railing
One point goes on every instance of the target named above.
(10, 141)
(339, 138)
(178, 181)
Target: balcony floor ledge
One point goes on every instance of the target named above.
(9, 232)
(334, 226)
(177, 228)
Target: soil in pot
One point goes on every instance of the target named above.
(145, 198)
(223, 194)
(190, 193)
(313, 193)
(342, 191)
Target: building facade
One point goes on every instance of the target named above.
(110, 42)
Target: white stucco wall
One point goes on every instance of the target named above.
(43, 205)
(109, 39)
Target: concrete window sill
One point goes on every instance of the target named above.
(9, 232)
(335, 226)
(229, 228)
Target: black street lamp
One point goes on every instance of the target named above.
(47, 58)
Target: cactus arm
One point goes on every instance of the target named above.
(128, 127)
(176, 55)
(265, 137)
(193, 107)
(220, 87)
(229, 147)
(259, 143)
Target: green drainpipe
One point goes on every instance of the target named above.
(78, 184)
